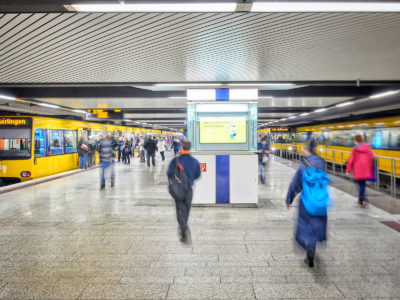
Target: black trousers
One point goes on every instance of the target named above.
(119, 155)
(126, 158)
(162, 155)
(153, 160)
(176, 150)
(183, 210)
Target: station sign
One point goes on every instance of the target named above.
(107, 114)
(280, 129)
(15, 122)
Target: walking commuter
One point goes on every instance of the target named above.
(161, 147)
(361, 165)
(150, 146)
(106, 153)
(192, 170)
(263, 152)
(311, 223)
(127, 151)
(141, 150)
(121, 144)
(176, 144)
(83, 150)
(92, 151)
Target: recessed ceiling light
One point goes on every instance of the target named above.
(381, 95)
(325, 6)
(49, 105)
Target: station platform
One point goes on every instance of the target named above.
(66, 239)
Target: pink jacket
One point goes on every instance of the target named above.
(361, 162)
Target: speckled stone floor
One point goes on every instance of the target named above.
(66, 239)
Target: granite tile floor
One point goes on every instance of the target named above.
(66, 239)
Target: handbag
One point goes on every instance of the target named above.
(265, 159)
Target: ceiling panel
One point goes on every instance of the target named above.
(165, 47)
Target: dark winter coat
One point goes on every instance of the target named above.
(191, 166)
(310, 229)
(81, 152)
(150, 146)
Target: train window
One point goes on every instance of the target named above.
(56, 142)
(15, 143)
(70, 141)
(40, 143)
(394, 139)
(342, 138)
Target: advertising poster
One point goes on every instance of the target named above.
(223, 130)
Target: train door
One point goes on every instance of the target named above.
(41, 150)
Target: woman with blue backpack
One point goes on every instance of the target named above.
(311, 181)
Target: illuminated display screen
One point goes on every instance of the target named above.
(223, 130)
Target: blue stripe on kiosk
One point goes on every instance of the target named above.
(222, 178)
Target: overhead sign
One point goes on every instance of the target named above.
(15, 122)
(280, 129)
(107, 114)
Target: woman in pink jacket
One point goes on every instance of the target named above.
(361, 165)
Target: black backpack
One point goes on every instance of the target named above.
(178, 186)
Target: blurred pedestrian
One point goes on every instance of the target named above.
(263, 155)
(150, 146)
(141, 150)
(121, 143)
(191, 167)
(161, 147)
(361, 165)
(106, 154)
(126, 152)
(176, 144)
(311, 224)
(83, 150)
(92, 151)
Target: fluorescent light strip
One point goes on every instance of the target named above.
(292, 117)
(79, 111)
(322, 6)
(381, 95)
(304, 114)
(49, 105)
(188, 84)
(7, 97)
(157, 7)
(260, 84)
(344, 104)
(320, 110)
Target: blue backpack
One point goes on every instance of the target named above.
(315, 194)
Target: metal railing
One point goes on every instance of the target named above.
(387, 169)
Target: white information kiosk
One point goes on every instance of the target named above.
(224, 139)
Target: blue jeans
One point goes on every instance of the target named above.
(261, 171)
(361, 184)
(104, 166)
(83, 160)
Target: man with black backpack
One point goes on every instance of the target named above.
(182, 172)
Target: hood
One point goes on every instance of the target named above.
(362, 148)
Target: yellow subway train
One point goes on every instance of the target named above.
(32, 147)
(335, 141)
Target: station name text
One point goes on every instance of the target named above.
(13, 122)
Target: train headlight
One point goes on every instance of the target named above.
(273, 148)
(26, 174)
(290, 148)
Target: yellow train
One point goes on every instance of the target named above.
(32, 147)
(335, 141)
